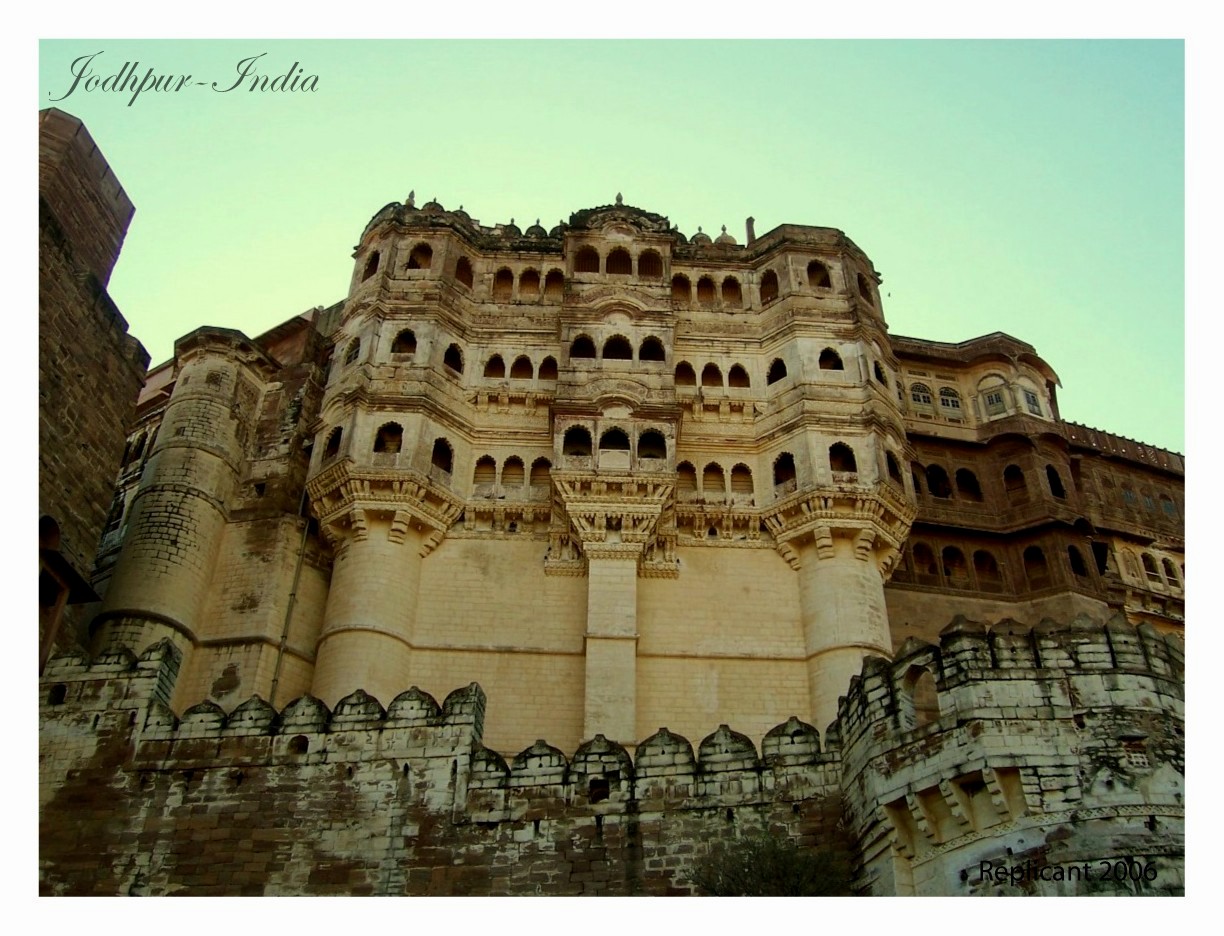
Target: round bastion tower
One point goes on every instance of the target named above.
(161, 581)
(842, 507)
(379, 483)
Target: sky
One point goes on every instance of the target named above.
(1030, 187)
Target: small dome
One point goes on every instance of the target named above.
(701, 238)
(432, 205)
(724, 237)
(680, 238)
(460, 213)
(536, 231)
(558, 231)
(511, 230)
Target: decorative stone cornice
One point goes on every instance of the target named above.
(875, 518)
(612, 517)
(345, 496)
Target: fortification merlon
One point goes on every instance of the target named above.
(1008, 729)
(1011, 671)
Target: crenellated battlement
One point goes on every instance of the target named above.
(1058, 744)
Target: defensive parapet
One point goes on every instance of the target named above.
(1005, 760)
(1008, 760)
(403, 800)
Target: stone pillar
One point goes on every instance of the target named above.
(610, 705)
(841, 599)
(178, 515)
(371, 609)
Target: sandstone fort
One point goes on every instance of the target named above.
(552, 556)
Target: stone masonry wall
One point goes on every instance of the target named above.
(90, 369)
(994, 763)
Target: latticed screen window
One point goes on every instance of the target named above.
(921, 393)
(949, 398)
(1034, 404)
(994, 401)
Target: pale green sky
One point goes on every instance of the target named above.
(1035, 188)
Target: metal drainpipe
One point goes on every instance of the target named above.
(297, 575)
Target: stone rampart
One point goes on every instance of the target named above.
(948, 769)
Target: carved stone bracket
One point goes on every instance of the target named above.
(874, 519)
(345, 497)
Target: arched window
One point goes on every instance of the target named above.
(650, 265)
(1170, 571)
(777, 370)
(503, 285)
(705, 291)
(495, 368)
(864, 287)
(521, 369)
(512, 472)
(921, 394)
(554, 286)
(615, 440)
(741, 480)
(371, 266)
(818, 275)
(332, 448)
(841, 459)
(685, 377)
(879, 373)
(769, 287)
(421, 257)
(830, 360)
(529, 285)
(916, 473)
(1167, 505)
(442, 457)
(924, 560)
(617, 348)
(686, 478)
(1076, 560)
(583, 347)
(548, 368)
(577, 441)
(651, 350)
(586, 260)
(453, 359)
(894, 468)
(1014, 483)
(937, 482)
(619, 262)
(404, 343)
(651, 444)
(1035, 568)
(541, 472)
(986, 568)
(353, 352)
(1056, 485)
(713, 482)
(486, 471)
(967, 485)
(711, 376)
(955, 569)
(1149, 568)
(950, 400)
(390, 438)
(784, 470)
(681, 290)
(737, 376)
(732, 294)
(463, 272)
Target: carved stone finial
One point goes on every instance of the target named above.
(699, 229)
(537, 222)
(619, 200)
(412, 199)
(724, 229)
(511, 220)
